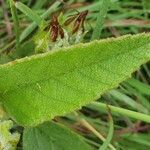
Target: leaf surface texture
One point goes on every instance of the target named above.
(38, 88)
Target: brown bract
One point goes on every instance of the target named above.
(78, 19)
(56, 29)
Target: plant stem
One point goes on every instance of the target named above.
(117, 110)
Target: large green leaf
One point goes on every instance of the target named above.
(52, 136)
(38, 88)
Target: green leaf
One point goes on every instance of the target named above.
(42, 40)
(52, 136)
(38, 88)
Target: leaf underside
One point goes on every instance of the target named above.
(38, 88)
(52, 136)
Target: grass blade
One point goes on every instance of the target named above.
(147, 70)
(100, 19)
(143, 88)
(28, 12)
(122, 111)
(31, 27)
(95, 132)
(110, 134)
(128, 100)
(16, 21)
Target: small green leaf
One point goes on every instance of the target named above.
(42, 40)
(52, 136)
(38, 88)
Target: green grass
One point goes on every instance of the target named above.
(128, 125)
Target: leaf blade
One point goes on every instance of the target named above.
(52, 136)
(61, 81)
